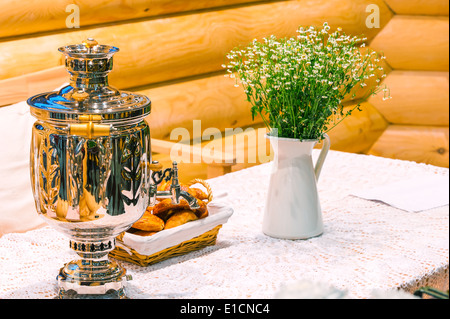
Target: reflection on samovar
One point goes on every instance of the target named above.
(91, 168)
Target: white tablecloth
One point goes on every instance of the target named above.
(366, 245)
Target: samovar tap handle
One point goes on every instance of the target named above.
(175, 192)
(175, 188)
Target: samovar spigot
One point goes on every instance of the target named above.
(175, 192)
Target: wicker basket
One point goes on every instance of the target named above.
(197, 243)
(180, 240)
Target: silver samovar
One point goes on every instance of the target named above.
(91, 167)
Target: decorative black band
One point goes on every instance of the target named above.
(92, 247)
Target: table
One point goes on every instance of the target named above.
(366, 245)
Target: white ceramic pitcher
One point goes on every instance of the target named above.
(293, 208)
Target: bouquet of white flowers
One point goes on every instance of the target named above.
(298, 84)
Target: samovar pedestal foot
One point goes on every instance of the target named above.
(71, 294)
(94, 279)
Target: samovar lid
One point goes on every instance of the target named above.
(89, 92)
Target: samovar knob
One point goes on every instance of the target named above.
(80, 95)
(90, 42)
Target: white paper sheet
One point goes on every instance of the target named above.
(413, 195)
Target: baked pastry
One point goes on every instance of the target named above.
(179, 218)
(149, 222)
(166, 215)
(165, 208)
(201, 212)
(162, 209)
(197, 193)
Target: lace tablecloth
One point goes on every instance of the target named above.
(366, 245)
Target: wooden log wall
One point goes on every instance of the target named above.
(416, 45)
(172, 51)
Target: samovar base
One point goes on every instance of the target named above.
(71, 294)
(92, 278)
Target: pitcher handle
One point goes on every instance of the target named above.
(323, 154)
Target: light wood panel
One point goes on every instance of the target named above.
(215, 163)
(417, 143)
(20, 88)
(175, 47)
(358, 132)
(415, 43)
(245, 146)
(28, 17)
(173, 53)
(186, 171)
(219, 105)
(419, 98)
(192, 153)
(248, 145)
(239, 148)
(212, 100)
(217, 88)
(419, 7)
